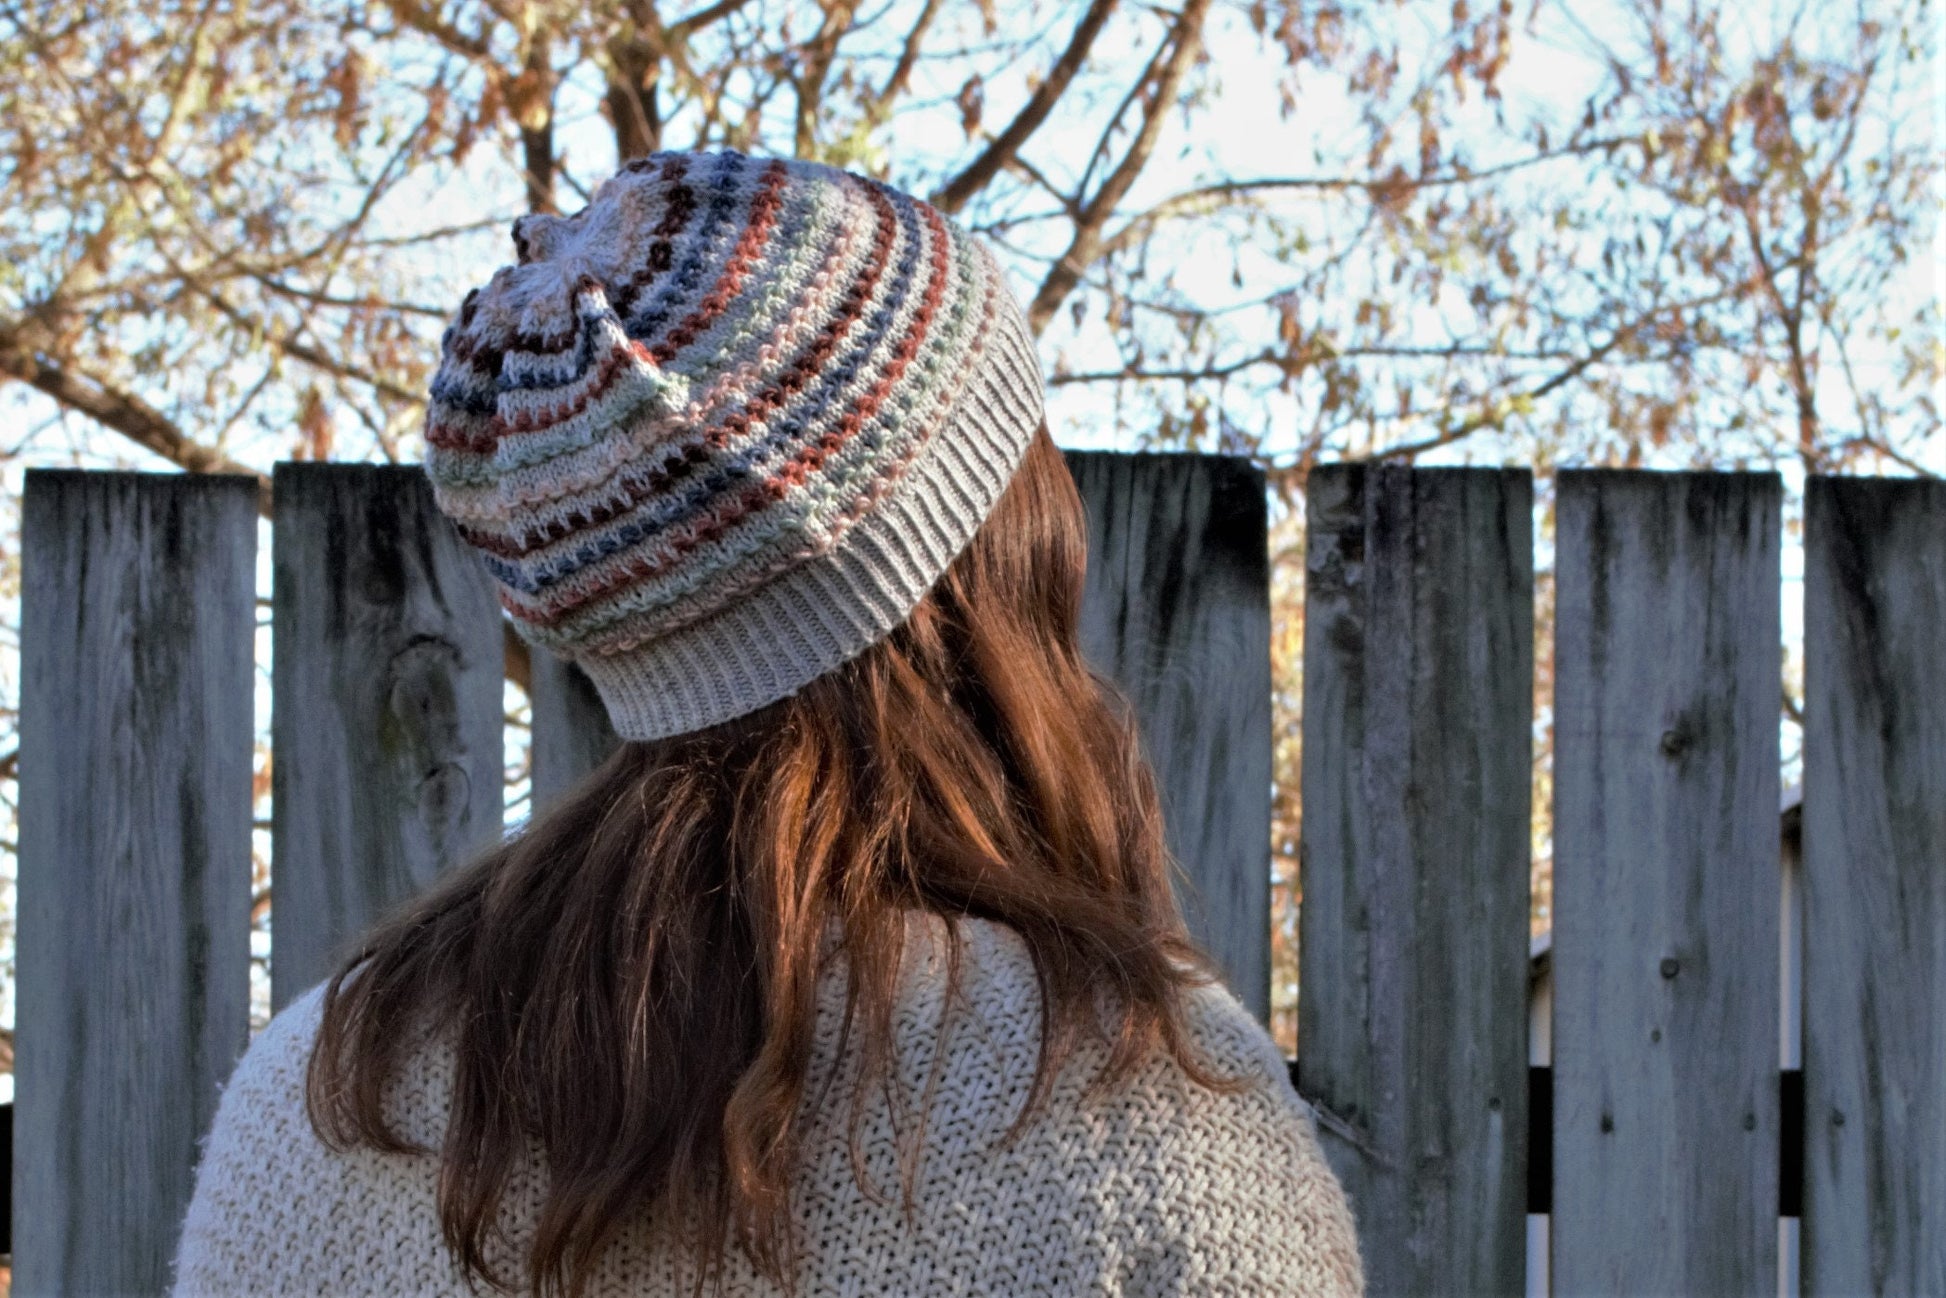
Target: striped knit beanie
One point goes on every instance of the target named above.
(721, 430)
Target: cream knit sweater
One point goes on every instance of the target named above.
(1163, 1188)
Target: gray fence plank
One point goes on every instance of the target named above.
(570, 734)
(1418, 711)
(137, 690)
(1875, 888)
(1177, 612)
(386, 729)
(1667, 683)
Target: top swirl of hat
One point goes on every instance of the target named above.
(722, 428)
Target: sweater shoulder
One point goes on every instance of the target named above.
(1225, 1191)
(1250, 1204)
(265, 1091)
(998, 977)
(274, 1209)
(260, 1131)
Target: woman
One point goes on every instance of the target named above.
(856, 968)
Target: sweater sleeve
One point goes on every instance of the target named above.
(1244, 1201)
(276, 1211)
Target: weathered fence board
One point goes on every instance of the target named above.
(1664, 1099)
(137, 690)
(570, 734)
(386, 735)
(1418, 709)
(1875, 888)
(1177, 611)
(1667, 684)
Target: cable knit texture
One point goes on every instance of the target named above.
(720, 430)
(1160, 1188)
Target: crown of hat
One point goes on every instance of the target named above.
(724, 371)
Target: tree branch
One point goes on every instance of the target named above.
(1878, 445)
(277, 286)
(427, 22)
(1272, 357)
(819, 53)
(952, 196)
(289, 346)
(633, 113)
(123, 412)
(879, 104)
(1184, 40)
(534, 112)
(683, 28)
(1493, 418)
(1205, 198)
(1803, 388)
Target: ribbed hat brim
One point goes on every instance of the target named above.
(815, 617)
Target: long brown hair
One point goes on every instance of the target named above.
(629, 982)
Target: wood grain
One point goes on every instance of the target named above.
(386, 732)
(1418, 710)
(1875, 888)
(571, 734)
(134, 890)
(1177, 613)
(1667, 682)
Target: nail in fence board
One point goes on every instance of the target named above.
(1418, 712)
(1875, 888)
(386, 734)
(1666, 886)
(1177, 613)
(137, 690)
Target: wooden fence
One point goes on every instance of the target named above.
(1662, 1142)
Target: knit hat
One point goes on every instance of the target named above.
(721, 430)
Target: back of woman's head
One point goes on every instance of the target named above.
(629, 981)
